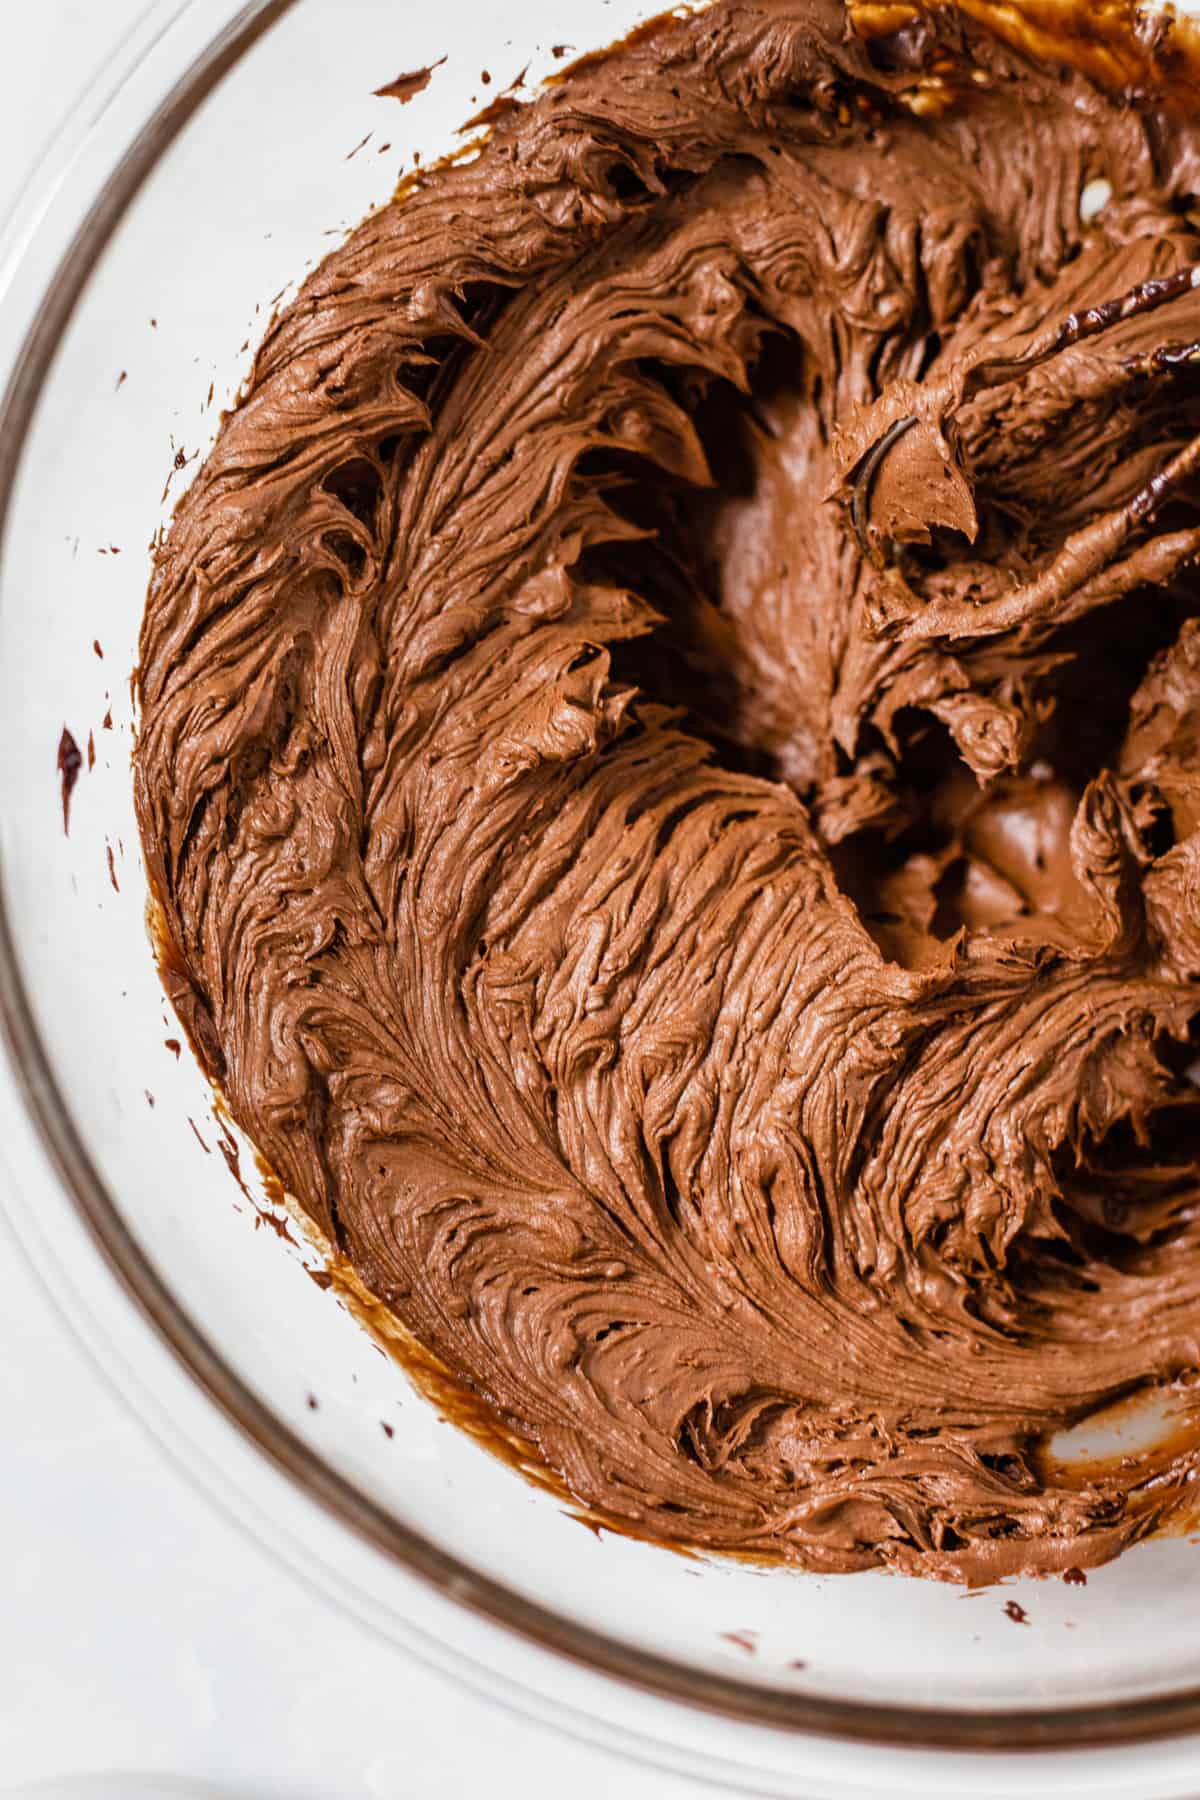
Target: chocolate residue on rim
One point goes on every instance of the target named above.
(273, 1221)
(227, 1145)
(70, 761)
(668, 904)
(406, 87)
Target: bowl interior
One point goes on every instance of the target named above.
(289, 150)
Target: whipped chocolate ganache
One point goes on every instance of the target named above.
(670, 758)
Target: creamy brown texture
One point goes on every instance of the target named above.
(671, 762)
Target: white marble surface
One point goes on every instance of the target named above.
(140, 1634)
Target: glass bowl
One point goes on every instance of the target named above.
(218, 158)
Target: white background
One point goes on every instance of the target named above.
(139, 1632)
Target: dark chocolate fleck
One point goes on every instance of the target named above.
(70, 761)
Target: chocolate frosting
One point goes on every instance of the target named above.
(670, 759)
